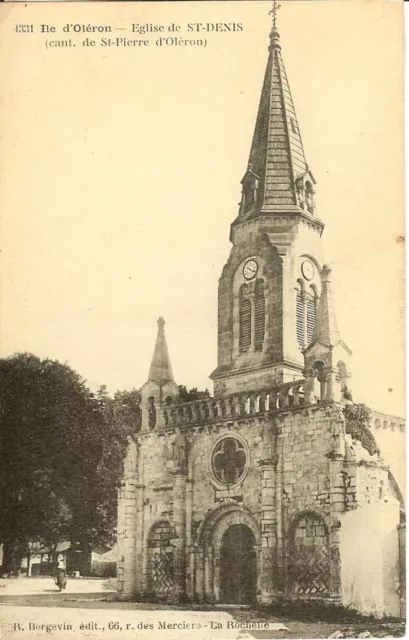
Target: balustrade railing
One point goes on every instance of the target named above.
(384, 421)
(244, 404)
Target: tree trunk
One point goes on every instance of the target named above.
(21, 552)
(7, 558)
(13, 554)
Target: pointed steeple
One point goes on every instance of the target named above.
(326, 328)
(278, 178)
(160, 389)
(161, 368)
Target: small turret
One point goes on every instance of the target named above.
(160, 389)
(326, 358)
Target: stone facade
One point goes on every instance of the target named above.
(301, 473)
(245, 497)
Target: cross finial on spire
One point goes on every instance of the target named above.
(273, 13)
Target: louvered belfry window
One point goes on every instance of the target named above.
(311, 313)
(306, 311)
(245, 318)
(300, 316)
(259, 315)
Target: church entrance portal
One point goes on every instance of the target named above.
(238, 568)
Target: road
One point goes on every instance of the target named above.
(33, 608)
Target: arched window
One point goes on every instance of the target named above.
(249, 196)
(249, 193)
(160, 560)
(309, 557)
(151, 412)
(320, 382)
(309, 197)
(306, 313)
(300, 314)
(259, 315)
(245, 318)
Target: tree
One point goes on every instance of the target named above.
(126, 410)
(356, 424)
(192, 394)
(60, 459)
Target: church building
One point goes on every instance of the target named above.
(267, 490)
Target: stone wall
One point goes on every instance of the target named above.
(302, 473)
(305, 439)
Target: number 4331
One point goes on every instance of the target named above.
(24, 28)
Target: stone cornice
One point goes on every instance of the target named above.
(274, 217)
(227, 371)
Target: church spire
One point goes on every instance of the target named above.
(161, 368)
(278, 178)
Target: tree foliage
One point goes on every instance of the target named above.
(189, 395)
(125, 410)
(60, 459)
(62, 450)
(356, 424)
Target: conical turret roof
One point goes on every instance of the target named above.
(161, 368)
(326, 328)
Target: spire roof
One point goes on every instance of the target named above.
(277, 160)
(326, 328)
(161, 368)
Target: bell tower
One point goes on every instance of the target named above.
(270, 286)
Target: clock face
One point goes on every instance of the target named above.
(250, 269)
(307, 269)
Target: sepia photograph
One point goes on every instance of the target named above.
(202, 353)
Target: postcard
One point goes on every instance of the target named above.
(202, 320)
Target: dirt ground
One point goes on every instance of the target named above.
(31, 607)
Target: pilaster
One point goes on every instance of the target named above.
(179, 523)
(268, 551)
(337, 497)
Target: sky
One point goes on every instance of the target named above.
(121, 172)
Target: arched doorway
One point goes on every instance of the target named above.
(238, 566)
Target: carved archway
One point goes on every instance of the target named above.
(160, 560)
(209, 543)
(309, 566)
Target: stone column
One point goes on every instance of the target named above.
(280, 577)
(199, 575)
(140, 533)
(127, 525)
(309, 386)
(268, 551)
(179, 523)
(179, 517)
(331, 390)
(190, 569)
(337, 497)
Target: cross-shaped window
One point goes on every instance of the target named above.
(229, 461)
